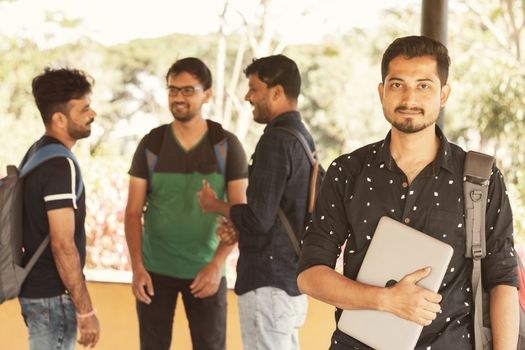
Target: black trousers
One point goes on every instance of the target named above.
(206, 317)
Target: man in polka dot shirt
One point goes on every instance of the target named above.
(414, 176)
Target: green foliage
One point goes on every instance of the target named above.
(339, 101)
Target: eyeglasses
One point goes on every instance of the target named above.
(186, 91)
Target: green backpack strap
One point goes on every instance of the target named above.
(476, 172)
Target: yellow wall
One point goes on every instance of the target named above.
(116, 311)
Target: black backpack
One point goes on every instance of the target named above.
(477, 170)
(12, 273)
(316, 178)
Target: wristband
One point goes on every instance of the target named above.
(87, 314)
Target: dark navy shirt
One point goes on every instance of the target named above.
(364, 185)
(278, 175)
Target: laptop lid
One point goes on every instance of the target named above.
(395, 251)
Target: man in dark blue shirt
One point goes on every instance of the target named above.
(271, 307)
(414, 176)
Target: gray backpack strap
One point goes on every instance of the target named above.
(152, 146)
(221, 154)
(40, 156)
(477, 171)
(48, 152)
(36, 255)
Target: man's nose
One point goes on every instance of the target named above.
(409, 98)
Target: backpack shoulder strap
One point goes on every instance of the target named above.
(289, 231)
(40, 156)
(477, 170)
(219, 141)
(314, 163)
(48, 152)
(152, 146)
(302, 141)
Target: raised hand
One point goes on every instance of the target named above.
(207, 198)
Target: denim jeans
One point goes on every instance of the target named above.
(51, 322)
(270, 319)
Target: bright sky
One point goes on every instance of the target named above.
(115, 21)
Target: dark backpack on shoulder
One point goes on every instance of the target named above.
(153, 144)
(316, 178)
(12, 273)
(477, 171)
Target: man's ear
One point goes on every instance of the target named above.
(445, 92)
(380, 89)
(278, 92)
(58, 119)
(208, 94)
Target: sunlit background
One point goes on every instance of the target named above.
(128, 47)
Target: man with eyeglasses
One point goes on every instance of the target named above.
(176, 250)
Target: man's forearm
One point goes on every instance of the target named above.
(323, 283)
(68, 265)
(221, 207)
(504, 317)
(133, 230)
(222, 252)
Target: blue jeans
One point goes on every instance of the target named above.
(51, 322)
(270, 319)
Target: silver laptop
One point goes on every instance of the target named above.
(395, 251)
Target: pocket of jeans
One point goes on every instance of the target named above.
(283, 312)
(36, 315)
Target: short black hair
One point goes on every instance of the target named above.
(277, 70)
(54, 88)
(417, 46)
(193, 66)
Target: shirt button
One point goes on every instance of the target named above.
(404, 184)
(271, 257)
(407, 221)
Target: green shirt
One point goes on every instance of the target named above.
(178, 238)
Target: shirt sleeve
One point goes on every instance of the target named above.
(236, 167)
(266, 185)
(139, 165)
(500, 265)
(59, 183)
(329, 227)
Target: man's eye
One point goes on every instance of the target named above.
(187, 90)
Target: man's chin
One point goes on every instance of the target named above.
(183, 119)
(410, 128)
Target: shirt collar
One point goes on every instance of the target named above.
(443, 158)
(284, 117)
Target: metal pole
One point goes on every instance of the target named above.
(434, 25)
